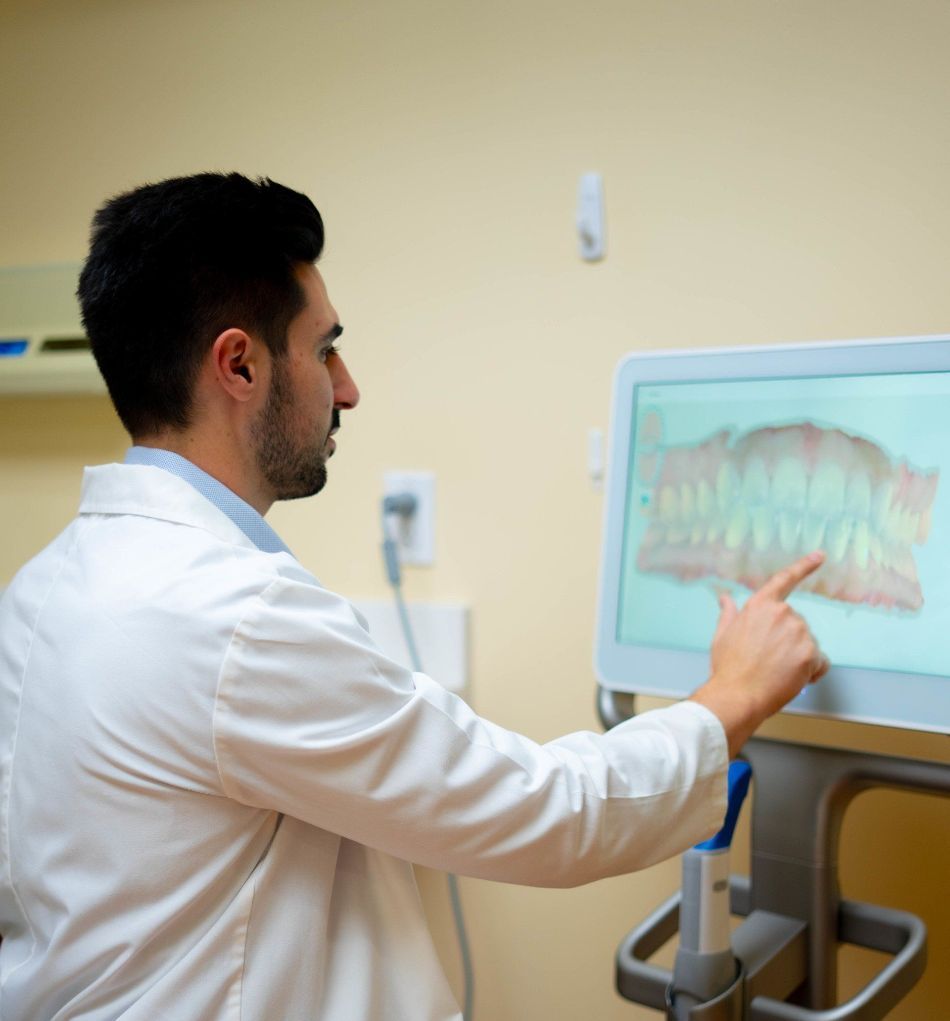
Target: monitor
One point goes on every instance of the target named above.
(725, 465)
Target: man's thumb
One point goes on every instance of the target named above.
(727, 612)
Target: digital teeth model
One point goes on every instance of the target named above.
(740, 512)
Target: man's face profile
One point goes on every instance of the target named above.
(309, 384)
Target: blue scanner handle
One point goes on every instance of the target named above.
(740, 773)
(705, 965)
(704, 908)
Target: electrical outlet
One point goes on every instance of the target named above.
(415, 535)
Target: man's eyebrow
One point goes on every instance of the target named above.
(335, 330)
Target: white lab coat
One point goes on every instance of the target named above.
(212, 783)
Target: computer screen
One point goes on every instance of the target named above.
(727, 465)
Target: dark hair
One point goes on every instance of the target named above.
(171, 265)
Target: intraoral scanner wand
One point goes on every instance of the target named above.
(705, 965)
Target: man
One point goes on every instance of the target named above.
(212, 781)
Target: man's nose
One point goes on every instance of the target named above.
(345, 392)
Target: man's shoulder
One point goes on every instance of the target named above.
(38, 573)
(159, 562)
(127, 565)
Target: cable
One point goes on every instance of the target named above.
(403, 505)
(464, 952)
(407, 629)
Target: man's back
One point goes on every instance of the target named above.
(132, 885)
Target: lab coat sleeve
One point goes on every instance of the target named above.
(313, 721)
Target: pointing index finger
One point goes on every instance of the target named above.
(782, 584)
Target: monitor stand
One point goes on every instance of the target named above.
(795, 918)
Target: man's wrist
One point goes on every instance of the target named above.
(736, 711)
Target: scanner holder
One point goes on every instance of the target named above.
(786, 949)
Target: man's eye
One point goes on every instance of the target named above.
(327, 352)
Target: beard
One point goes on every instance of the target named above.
(292, 469)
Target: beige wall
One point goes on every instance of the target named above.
(773, 171)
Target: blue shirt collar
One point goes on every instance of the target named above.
(241, 513)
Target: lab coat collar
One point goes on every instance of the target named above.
(226, 500)
(150, 492)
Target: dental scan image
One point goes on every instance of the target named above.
(738, 508)
(731, 480)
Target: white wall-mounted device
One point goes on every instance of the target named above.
(441, 635)
(590, 217)
(43, 349)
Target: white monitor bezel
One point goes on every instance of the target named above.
(899, 697)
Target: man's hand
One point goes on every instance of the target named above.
(761, 657)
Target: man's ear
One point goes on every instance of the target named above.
(236, 359)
